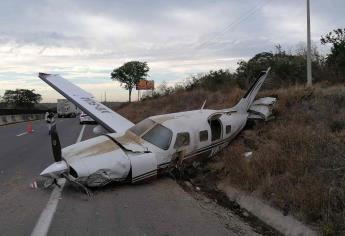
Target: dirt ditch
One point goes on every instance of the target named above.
(199, 180)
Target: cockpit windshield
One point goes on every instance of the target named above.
(159, 136)
(153, 133)
(142, 126)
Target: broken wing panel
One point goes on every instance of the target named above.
(262, 108)
(143, 167)
(109, 119)
(265, 101)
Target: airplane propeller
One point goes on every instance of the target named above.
(56, 146)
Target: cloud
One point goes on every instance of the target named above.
(85, 40)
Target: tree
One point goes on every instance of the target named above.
(248, 70)
(164, 89)
(23, 98)
(130, 74)
(336, 58)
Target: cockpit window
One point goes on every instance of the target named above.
(142, 126)
(159, 136)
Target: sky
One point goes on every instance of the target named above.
(84, 40)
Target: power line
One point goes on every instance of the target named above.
(233, 24)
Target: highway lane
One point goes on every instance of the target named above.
(157, 208)
(21, 160)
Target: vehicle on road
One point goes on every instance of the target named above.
(66, 108)
(85, 119)
(138, 152)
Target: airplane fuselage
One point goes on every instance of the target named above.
(153, 146)
(157, 144)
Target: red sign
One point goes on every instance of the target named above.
(145, 85)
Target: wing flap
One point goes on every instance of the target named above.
(106, 117)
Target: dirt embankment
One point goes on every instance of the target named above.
(298, 162)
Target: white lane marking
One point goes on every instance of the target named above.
(21, 134)
(46, 217)
(18, 135)
(81, 134)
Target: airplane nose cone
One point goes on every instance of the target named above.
(55, 169)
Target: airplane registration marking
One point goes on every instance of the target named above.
(99, 107)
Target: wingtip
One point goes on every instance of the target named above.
(43, 75)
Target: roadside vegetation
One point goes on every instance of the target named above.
(298, 161)
(20, 98)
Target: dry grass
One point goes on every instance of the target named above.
(298, 161)
(180, 101)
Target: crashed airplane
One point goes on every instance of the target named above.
(127, 152)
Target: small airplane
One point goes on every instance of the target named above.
(127, 152)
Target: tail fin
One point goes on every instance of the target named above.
(247, 100)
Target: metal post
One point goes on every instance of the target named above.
(309, 75)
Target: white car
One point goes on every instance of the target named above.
(85, 118)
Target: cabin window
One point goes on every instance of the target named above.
(142, 126)
(182, 139)
(228, 129)
(203, 135)
(159, 136)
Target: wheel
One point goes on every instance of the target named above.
(81, 122)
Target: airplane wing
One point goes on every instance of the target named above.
(106, 117)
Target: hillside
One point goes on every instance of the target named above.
(298, 162)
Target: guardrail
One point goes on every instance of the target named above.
(10, 119)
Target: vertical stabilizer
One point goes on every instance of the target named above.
(247, 100)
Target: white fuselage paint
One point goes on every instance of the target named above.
(123, 154)
(135, 153)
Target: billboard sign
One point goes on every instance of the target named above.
(145, 85)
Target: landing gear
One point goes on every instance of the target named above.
(78, 186)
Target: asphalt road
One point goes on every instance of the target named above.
(160, 207)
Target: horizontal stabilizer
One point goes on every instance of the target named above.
(262, 108)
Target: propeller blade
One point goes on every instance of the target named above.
(56, 146)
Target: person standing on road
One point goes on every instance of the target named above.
(50, 120)
(46, 116)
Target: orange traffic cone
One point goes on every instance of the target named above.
(29, 128)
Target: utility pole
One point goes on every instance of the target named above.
(309, 75)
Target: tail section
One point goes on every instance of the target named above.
(247, 100)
